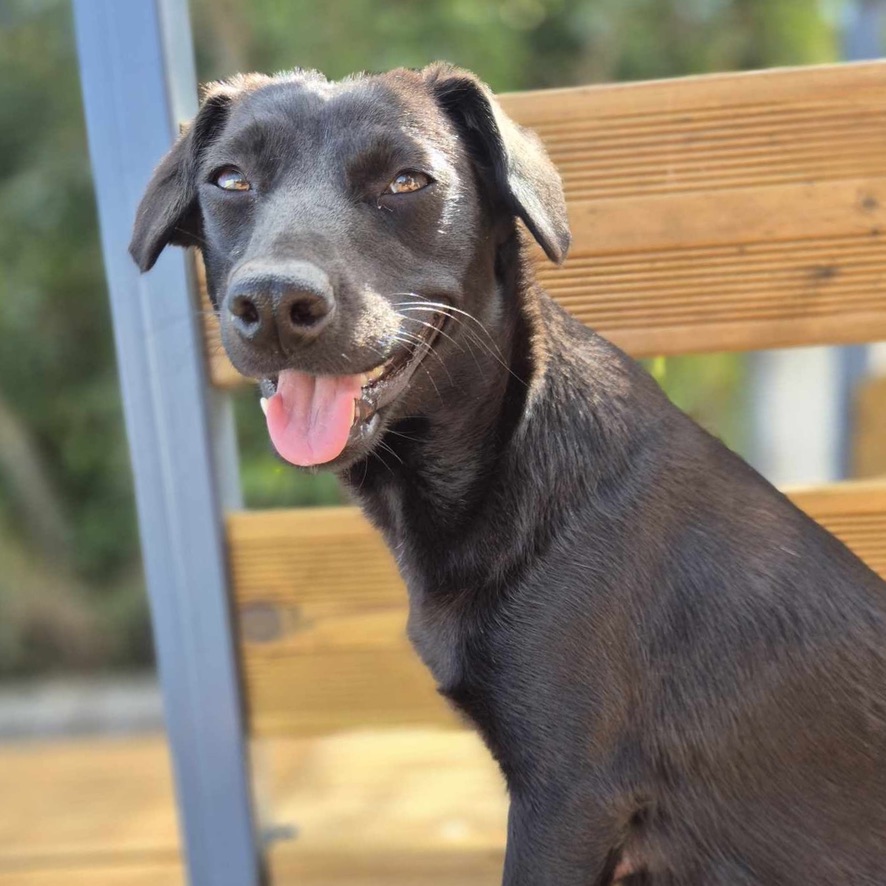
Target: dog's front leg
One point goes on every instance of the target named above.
(555, 844)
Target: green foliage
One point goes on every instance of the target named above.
(70, 595)
(708, 387)
(515, 44)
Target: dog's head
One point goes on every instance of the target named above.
(350, 232)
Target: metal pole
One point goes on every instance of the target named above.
(863, 30)
(138, 81)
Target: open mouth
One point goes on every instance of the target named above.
(312, 419)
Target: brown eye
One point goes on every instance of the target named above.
(407, 182)
(231, 179)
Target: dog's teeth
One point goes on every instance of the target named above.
(264, 405)
(356, 413)
(373, 375)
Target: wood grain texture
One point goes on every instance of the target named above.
(728, 212)
(400, 807)
(322, 613)
(322, 618)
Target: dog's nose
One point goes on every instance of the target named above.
(290, 303)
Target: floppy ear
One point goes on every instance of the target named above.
(169, 212)
(524, 176)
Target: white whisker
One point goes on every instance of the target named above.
(446, 310)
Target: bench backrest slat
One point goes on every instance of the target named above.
(322, 613)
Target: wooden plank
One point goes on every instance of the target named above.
(869, 437)
(331, 555)
(728, 212)
(319, 694)
(322, 613)
(99, 811)
(371, 868)
(404, 807)
(690, 101)
(422, 789)
(136, 874)
(731, 212)
(322, 618)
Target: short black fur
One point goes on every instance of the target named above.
(682, 676)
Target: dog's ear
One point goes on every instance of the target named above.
(169, 213)
(523, 174)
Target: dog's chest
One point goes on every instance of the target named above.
(459, 668)
(472, 673)
(448, 609)
(438, 638)
(464, 663)
(435, 627)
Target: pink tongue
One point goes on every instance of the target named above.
(310, 417)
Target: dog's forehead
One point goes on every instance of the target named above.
(312, 107)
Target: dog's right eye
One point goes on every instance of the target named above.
(229, 178)
(407, 182)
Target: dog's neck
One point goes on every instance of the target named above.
(447, 480)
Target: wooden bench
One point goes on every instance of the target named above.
(731, 212)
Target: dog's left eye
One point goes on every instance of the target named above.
(407, 182)
(230, 178)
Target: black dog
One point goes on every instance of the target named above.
(682, 677)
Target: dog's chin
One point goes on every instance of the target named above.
(380, 402)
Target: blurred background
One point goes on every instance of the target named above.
(71, 591)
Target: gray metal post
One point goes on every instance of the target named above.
(138, 82)
(863, 30)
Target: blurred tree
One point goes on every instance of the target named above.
(516, 44)
(70, 588)
(67, 529)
